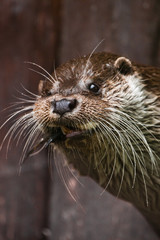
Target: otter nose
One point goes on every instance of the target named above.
(64, 105)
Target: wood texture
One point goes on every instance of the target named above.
(27, 33)
(50, 32)
(129, 28)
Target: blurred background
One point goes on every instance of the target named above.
(34, 206)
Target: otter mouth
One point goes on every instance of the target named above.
(56, 135)
(70, 132)
(62, 133)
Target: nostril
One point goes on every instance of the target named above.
(63, 106)
(72, 104)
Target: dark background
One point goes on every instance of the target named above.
(33, 206)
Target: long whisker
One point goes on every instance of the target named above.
(94, 50)
(88, 60)
(15, 114)
(60, 169)
(31, 93)
(51, 79)
(33, 70)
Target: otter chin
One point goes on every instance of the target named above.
(103, 112)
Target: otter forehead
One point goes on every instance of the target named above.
(75, 74)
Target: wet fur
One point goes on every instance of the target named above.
(121, 149)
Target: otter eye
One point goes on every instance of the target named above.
(93, 87)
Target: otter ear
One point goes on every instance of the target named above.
(44, 87)
(124, 66)
(40, 86)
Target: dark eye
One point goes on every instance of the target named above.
(93, 87)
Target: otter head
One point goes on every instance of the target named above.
(79, 107)
(79, 97)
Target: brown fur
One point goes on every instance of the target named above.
(113, 132)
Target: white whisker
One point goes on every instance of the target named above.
(50, 77)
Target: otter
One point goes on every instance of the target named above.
(102, 111)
